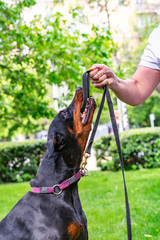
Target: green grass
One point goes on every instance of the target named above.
(102, 197)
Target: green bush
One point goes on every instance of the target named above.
(19, 161)
(140, 149)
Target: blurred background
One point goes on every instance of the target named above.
(45, 47)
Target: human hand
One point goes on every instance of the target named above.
(102, 75)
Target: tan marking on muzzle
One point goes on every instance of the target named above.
(82, 132)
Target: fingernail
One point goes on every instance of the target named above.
(92, 68)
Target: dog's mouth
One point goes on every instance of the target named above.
(82, 121)
(85, 115)
(85, 118)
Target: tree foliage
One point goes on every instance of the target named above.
(37, 54)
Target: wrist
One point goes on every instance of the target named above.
(116, 84)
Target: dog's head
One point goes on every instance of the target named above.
(69, 130)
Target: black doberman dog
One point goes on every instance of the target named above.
(49, 216)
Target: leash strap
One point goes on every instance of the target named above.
(115, 130)
(85, 82)
(91, 140)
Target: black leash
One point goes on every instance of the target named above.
(85, 81)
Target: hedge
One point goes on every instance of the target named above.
(19, 161)
(140, 149)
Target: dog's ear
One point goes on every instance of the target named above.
(50, 147)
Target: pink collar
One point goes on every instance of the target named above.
(57, 189)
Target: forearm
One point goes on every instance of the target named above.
(139, 88)
(129, 92)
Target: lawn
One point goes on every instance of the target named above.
(102, 197)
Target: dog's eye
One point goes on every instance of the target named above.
(58, 138)
(60, 141)
(64, 114)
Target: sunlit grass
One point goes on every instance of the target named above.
(102, 197)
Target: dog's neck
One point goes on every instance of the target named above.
(54, 170)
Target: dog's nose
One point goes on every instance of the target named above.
(79, 88)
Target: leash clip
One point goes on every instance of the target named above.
(84, 163)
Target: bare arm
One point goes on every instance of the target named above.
(134, 91)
